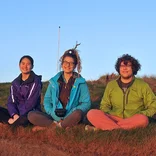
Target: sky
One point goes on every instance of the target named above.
(105, 29)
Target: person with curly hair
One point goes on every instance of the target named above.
(67, 98)
(127, 102)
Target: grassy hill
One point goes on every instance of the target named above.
(96, 88)
(76, 141)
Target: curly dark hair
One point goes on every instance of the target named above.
(128, 58)
(74, 54)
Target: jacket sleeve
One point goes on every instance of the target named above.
(149, 101)
(84, 98)
(34, 96)
(105, 104)
(48, 106)
(12, 102)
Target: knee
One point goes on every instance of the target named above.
(78, 114)
(31, 116)
(143, 120)
(92, 113)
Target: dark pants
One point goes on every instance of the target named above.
(41, 119)
(4, 117)
(21, 121)
(154, 116)
(152, 120)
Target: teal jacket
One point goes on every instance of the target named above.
(138, 99)
(79, 97)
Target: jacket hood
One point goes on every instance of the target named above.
(30, 79)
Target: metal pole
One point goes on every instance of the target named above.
(58, 49)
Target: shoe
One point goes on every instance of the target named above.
(90, 128)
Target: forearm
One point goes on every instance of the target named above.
(48, 106)
(12, 109)
(105, 108)
(84, 107)
(148, 112)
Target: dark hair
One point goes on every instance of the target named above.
(29, 58)
(74, 54)
(128, 58)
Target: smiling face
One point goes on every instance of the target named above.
(25, 66)
(126, 71)
(68, 65)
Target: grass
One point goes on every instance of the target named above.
(77, 141)
(4, 92)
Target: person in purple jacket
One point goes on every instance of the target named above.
(25, 95)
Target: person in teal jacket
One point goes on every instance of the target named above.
(67, 98)
(127, 102)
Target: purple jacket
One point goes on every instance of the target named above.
(25, 96)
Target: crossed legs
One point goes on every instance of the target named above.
(104, 121)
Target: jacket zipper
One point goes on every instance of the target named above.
(125, 100)
(123, 104)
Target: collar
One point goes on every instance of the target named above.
(121, 84)
(29, 80)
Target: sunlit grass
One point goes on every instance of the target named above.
(77, 141)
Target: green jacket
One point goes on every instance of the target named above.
(138, 99)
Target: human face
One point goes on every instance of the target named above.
(25, 66)
(68, 64)
(126, 71)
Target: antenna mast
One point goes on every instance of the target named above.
(58, 49)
